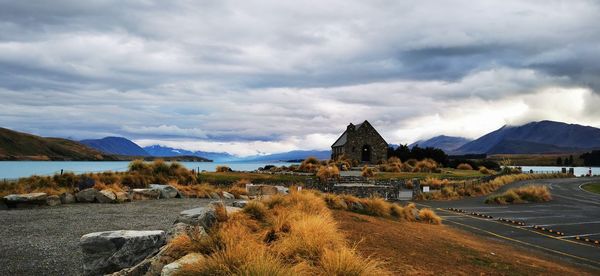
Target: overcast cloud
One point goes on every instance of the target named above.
(253, 77)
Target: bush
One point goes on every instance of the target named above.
(256, 210)
(328, 172)
(429, 216)
(223, 169)
(367, 171)
(464, 166)
(529, 193)
(485, 170)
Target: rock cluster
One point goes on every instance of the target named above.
(144, 252)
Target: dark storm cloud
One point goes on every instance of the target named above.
(283, 71)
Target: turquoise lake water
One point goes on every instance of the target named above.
(16, 169)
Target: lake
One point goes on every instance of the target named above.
(578, 170)
(16, 169)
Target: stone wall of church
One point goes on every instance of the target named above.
(365, 135)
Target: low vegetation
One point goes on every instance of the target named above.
(529, 193)
(283, 235)
(454, 190)
(592, 187)
(464, 166)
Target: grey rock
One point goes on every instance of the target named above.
(106, 196)
(3, 205)
(25, 200)
(245, 197)
(53, 200)
(227, 195)
(240, 203)
(205, 216)
(87, 195)
(67, 198)
(174, 267)
(121, 197)
(145, 194)
(111, 251)
(282, 190)
(182, 228)
(166, 191)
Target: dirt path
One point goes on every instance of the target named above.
(44, 241)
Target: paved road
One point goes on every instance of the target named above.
(573, 212)
(44, 241)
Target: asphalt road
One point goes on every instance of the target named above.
(45, 240)
(573, 212)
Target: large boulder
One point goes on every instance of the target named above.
(205, 216)
(262, 190)
(166, 191)
(3, 205)
(53, 200)
(67, 198)
(174, 267)
(25, 200)
(145, 194)
(106, 196)
(107, 252)
(87, 195)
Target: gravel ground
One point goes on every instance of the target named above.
(44, 241)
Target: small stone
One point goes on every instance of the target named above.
(53, 200)
(227, 195)
(87, 195)
(67, 198)
(106, 196)
(166, 191)
(145, 194)
(240, 203)
(174, 267)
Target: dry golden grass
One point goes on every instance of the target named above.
(328, 172)
(111, 187)
(429, 216)
(196, 191)
(367, 171)
(529, 193)
(485, 170)
(222, 169)
(376, 206)
(464, 166)
(291, 235)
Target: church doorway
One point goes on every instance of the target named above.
(366, 153)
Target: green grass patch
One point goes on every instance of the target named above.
(592, 187)
(446, 173)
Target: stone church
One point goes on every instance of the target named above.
(361, 142)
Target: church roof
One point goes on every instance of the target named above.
(344, 137)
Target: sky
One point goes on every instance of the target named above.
(257, 77)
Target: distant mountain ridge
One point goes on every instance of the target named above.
(23, 146)
(535, 137)
(163, 151)
(443, 142)
(291, 155)
(116, 145)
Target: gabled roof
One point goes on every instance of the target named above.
(344, 137)
(341, 141)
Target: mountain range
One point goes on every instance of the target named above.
(535, 137)
(443, 142)
(116, 145)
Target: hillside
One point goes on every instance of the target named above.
(115, 145)
(22, 146)
(443, 142)
(423, 249)
(291, 155)
(535, 137)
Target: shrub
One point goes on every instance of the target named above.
(203, 190)
(367, 171)
(256, 210)
(223, 169)
(346, 262)
(529, 193)
(464, 166)
(376, 206)
(327, 172)
(485, 170)
(427, 215)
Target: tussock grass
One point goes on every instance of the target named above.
(464, 166)
(429, 216)
(328, 172)
(223, 169)
(485, 170)
(367, 171)
(529, 193)
(203, 190)
(297, 235)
